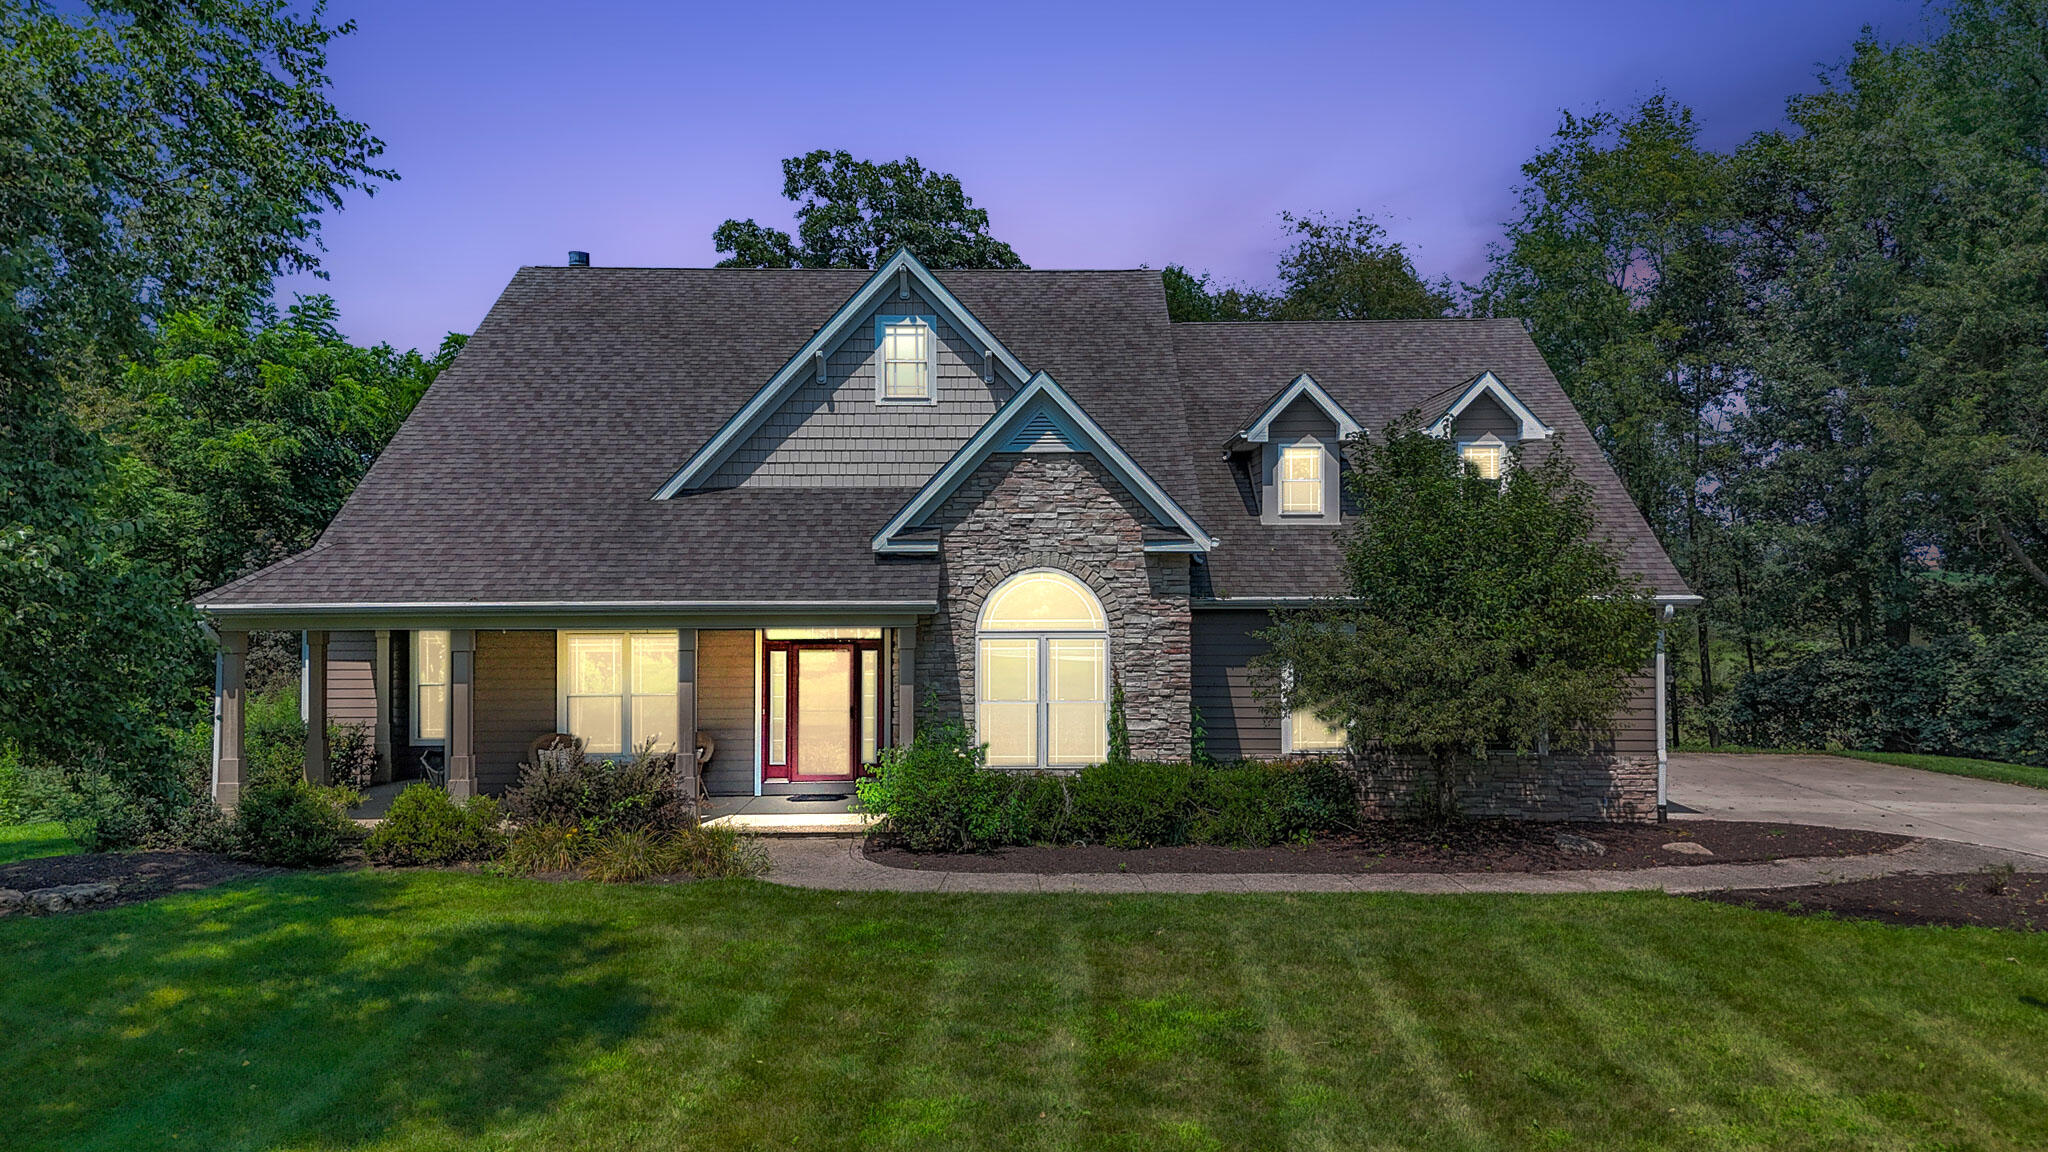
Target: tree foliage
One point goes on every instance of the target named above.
(161, 155)
(1330, 270)
(855, 213)
(244, 436)
(1476, 613)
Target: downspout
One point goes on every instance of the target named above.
(1663, 733)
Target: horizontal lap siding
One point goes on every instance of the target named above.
(1635, 729)
(725, 708)
(515, 701)
(1234, 724)
(351, 679)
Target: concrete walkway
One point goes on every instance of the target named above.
(838, 864)
(1838, 792)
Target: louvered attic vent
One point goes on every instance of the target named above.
(1039, 434)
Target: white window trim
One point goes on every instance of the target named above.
(627, 737)
(412, 703)
(1314, 450)
(883, 322)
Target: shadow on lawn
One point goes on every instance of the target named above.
(322, 1010)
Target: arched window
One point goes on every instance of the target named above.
(1042, 684)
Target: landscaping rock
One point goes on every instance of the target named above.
(1688, 848)
(1582, 845)
(66, 897)
(11, 901)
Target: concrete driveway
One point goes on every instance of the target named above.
(1842, 793)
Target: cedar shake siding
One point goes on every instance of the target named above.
(515, 702)
(725, 708)
(1234, 725)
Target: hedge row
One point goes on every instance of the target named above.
(936, 796)
(1984, 697)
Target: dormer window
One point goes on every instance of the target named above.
(905, 360)
(1301, 480)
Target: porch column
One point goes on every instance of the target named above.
(380, 680)
(686, 711)
(316, 707)
(227, 766)
(906, 686)
(461, 713)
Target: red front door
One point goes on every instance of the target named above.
(812, 724)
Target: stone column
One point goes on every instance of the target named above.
(906, 686)
(686, 712)
(316, 707)
(461, 713)
(227, 769)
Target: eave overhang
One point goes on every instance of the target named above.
(1487, 384)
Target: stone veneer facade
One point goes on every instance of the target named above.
(1065, 511)
(1508, 786)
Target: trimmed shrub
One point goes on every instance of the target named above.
(351, 756)
(293, 825)
(1985, 697)
(1138, 804)
(426, 826)
(933, 795)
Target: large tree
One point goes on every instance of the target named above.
(1477, 613)
(854, 213)
(158, 155)
(1330, 270)
(1623, 262)
(1896, 434)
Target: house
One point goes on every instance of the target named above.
(804, 511)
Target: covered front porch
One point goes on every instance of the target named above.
(799, 704)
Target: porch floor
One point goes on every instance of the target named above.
(784, 816)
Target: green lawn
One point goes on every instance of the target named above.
(28, 841)
(1961, 766)
(1952, 765)
(431, 1010)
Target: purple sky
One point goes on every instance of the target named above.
(1099, 135)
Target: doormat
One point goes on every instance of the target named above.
(816, 797)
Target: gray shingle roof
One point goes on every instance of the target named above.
(526, 473)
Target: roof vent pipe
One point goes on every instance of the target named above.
(579, 259)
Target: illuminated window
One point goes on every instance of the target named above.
(1308, 732)
(1301, 480)
(905, 361)
(618, 690)
(1042, 692)
(430, 686)
(1485, 458)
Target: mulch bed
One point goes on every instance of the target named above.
(1981, 899)
(141, 875)
(1480, 846)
